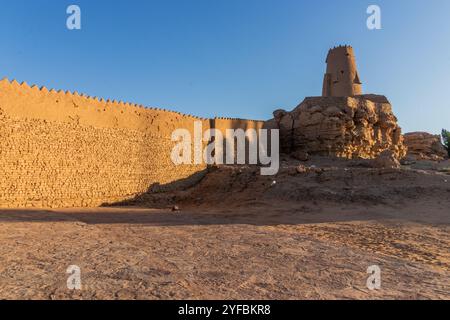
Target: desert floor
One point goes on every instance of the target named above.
(238, 235)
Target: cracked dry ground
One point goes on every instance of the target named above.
(266, 246)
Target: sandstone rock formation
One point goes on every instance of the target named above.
(349, 127)
(425, 146)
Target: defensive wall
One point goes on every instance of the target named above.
(64, 149)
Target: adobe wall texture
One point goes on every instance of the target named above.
(223, 124)
(61, 149)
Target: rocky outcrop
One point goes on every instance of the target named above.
(349, 127)
(424, 146)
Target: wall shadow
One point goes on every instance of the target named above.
(157, 188)
(205, 217)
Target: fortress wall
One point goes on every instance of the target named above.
(223, 124)
(60, 149)
(232, 123)
(22, 101)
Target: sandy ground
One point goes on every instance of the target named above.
(238, 235)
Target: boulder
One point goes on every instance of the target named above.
(386, 160)
(278, 114)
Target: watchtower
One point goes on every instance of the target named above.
(341, 78)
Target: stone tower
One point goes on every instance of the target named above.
(341, 79)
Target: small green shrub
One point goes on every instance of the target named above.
(446, 140)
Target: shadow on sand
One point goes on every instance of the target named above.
(204, 217)
(156, 188)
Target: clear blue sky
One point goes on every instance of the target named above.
(236, 58)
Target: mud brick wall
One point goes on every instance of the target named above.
(62, 149)
(223, 124)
